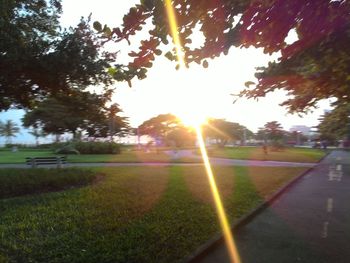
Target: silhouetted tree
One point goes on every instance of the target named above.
(273, 130)
(38, 59)
(74, 112)
(168, 129)
(224, 131)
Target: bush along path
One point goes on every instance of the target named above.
(34, 181)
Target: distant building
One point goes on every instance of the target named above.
(301, 128)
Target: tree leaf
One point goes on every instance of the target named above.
(97, 26)
(205, 64)
(248, 83)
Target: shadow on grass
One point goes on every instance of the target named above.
(138, 214)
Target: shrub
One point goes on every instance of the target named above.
(67, 149)
(54, 145)
(277, 146)
(97, 147)
(16, 182)
(11, 145)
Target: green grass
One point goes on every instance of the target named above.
(19, 157)
(137, 214)
(256, 153)
(30, 181)
(125, 156)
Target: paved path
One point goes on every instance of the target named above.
(225, 161)
(309, 223)
(174, 155)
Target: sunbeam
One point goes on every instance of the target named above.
(232, 250)
(173, 28)
(231, 247)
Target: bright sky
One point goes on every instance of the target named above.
(165, 89)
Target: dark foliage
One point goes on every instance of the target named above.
(313, 68)
(38, 59)
(16, 182)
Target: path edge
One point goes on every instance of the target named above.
(208, 246)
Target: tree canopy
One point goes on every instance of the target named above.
(272, 131)
(110, 123)
(167, 129)
(38, 59)
(76, 111)
(335, 125)
(314, 67)
(224, 131)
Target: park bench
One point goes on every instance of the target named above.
(57, 160)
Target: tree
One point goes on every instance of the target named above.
(224, 131)
(117, 124)
(312, 68)
(110, 124)
(335, 125)
(9, 129)
(273, 131)
(261, 135)
(74, 112)
(168, 130)
(49, 115)
(37, 133)
(158, 127)
(38, 59)
(180, 136)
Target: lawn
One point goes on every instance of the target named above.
(256, 153)
(136, 214)
(126, 156)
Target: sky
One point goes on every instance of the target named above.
(193, 91)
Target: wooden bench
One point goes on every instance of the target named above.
(57, 160)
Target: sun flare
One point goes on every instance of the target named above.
(190, 104)
(191, 110)
(191, 120)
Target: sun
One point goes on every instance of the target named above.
(191, 119)
(189, 102)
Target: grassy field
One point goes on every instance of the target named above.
(125, 156)
(136, 214)
(256, 153)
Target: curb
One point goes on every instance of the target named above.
(212, 243)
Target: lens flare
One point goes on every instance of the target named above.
(232, 250)
(174, 33)
(233, 253)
